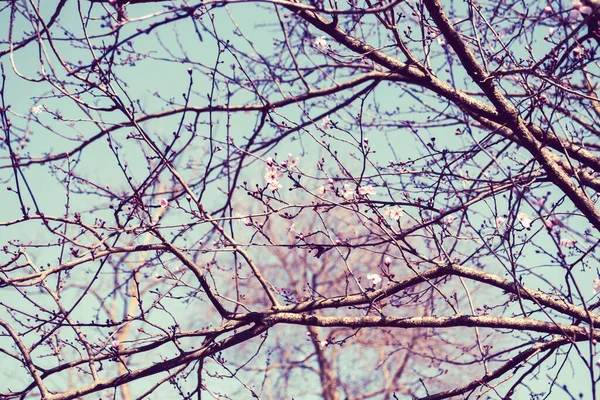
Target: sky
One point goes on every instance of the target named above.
(170, 79)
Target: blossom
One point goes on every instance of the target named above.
(394, 212)
(245, 220)
(272, 176)
(274, 186)
(270, 161)
(36, 109)
(290, 162)
(579, 10)
(326, 122)
(320, 43)
(500, 222)
(321, 190)
(375, 279)
(163, 203)
(292, 229)
(366, 190)
(596, 285)
(568, 242)
(525, 220)
(115, 344)
(387, 261)
(548, 223)
(450, 219)
(348, 192)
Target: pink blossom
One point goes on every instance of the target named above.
(450, 219)
(321, 190)
(36, 110)
(115, 344)
(394, 213)
(500, 222)
(325, 123)
(366, 190)
(163, 203)
(548, 223)
(387, 261)
(375, 279)
(290, 162)
(568, 242)
(525, 220)
(273, 174)
(269, 161)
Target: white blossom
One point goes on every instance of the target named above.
(375, 279)
(525, 220)
(366, 190)
(348, 192)
(395, 213)
(320, 43)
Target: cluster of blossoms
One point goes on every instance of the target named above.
(273, 173)
(272, 176)
(366, 190)
(579, 10)
(347, 192)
